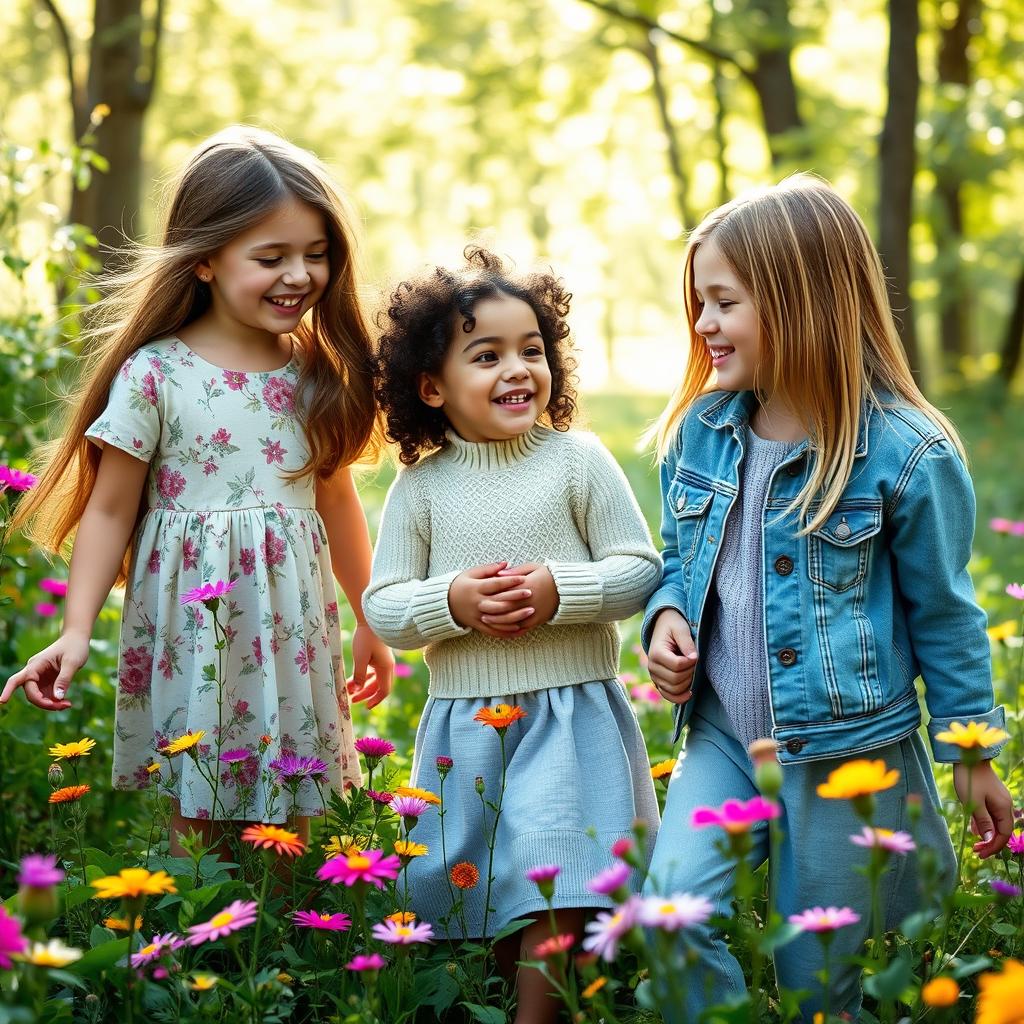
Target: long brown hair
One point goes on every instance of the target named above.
(232, 181)
(828, 343)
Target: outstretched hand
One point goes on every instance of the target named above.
(48, 674)
(991, 805)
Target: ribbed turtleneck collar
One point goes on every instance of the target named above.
(496, 454)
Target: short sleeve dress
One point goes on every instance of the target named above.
(218, 507)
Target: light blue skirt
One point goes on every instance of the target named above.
(577, 776)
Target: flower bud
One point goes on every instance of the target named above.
(55, 774)
(479, 784)
(767, 770)
(444, 765)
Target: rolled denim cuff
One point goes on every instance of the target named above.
(950, 753)
(662, 600)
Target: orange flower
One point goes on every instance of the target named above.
(464, 875)
(423, 794)
(594, 987)
(401, 917)
(942, 991)
(68, 795)
(272, 837)
(500, 717)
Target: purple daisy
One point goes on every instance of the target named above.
(40, 871)
(289, 768)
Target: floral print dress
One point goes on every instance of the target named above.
(218, 507)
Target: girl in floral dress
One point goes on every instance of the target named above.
(226, 393)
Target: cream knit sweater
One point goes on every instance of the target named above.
(545, 496)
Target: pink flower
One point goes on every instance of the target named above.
(155, 948)
(323, 922)
(409, 806)
(1014, 529)
(220, 436)
(544, 873)
(279, 395)
(247, 560)
(360, 866)
(273, 451)
(611, 879)
(818, 920)
(553, 946)
(46, 609)
(373, 748)
(364, 962)
(59, 588)
(232, 918)
(402, 670)
(622, 847)
(402, 934)
(16, 479)
(39, 871)
(273, 548)
(149, 389)
(153, 565)
(380, 798)
(736, 815)
(680, 910)
(208, 592)
(647, 692)
(169, 482)
(235, 756)
(1016, 590)
(11, 939)
(607, 929)
(235, 379)
(1015, 844)
(884, 839)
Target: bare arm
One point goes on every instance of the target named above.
(338, 503)
(100, 544)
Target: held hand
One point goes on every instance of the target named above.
(672, 657)
(481, 591)
(373, 667)
(992, 814)
(541, 598)
(48, 674)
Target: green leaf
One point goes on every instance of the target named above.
(890, 982)
(971, 965)
(777, 937)
(511, 928)
(1004, 928)
(100, 958)
(486, 1014)
(917, 925)
(436, 989)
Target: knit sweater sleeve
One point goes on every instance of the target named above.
(404, 606)
(625, 568)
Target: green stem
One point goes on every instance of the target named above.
(259, 914)
(491, 842)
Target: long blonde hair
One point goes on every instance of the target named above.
(828, 343)
(232, 181)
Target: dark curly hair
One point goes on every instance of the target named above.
(419, 325)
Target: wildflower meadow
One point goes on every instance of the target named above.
(99, 922)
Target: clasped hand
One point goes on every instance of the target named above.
(503, 601)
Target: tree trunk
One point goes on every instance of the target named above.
(896, 168)
(953, 71)
(1009, 359)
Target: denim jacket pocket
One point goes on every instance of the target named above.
(689, 505)
(838, 551)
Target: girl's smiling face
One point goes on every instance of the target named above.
(495, 380)
(268, 277)
(728, 322)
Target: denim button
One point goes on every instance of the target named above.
(794, 746)
(842, 531)
(783, 565)
(787, 656)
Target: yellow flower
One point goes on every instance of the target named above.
(1002, 996)
(1003, 631)
(202, 982)
(663, 768)
(72, 751)
(858, 778)
(423, 794)
(153, 768)
(406, 849)
(940, 992)
(120, 924)
(130, 883)
(338, 845)
(972, 735)
(594, 987)
(50, 954)
(401, 917)
(182, 743)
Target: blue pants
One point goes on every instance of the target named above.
(816, 863)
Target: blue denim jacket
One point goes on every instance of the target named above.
(855, 611)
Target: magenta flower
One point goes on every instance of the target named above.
(622, 847)
(373, 748)
(232, 918)
(607, 929)
(645, 692)
(59, 588)
(736, 815)
(364, 962)
(818, 920)
(46, 609)
(380, 797)
(1014, 529)
(1003, 889)
(402, 934)
(544, 873)
(1015, 844)
(208, 592)
(1016, 590)
(154, 949)
(11, 939)
(323, 922)
(444, 765)
(884, 839)
(402, 670)
(606, 882)
(370, 866)
(39, 871)
(235, 756)
(290, 769)
(670, 913)
(409, 806)
(16, 479)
